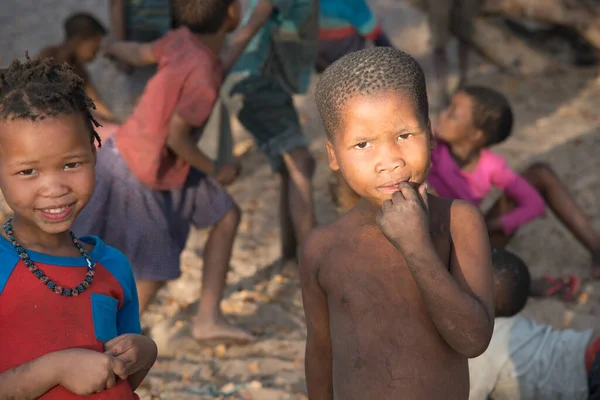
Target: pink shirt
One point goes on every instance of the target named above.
(450, 181)
(187, 83)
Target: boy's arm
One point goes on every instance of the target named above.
(180, 141)
(30, 380)
(133, 53)
(242, 37)
(102, 110)
(318, 357)
(460, 299)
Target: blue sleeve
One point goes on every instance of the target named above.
(356, 12)
(128, 316)
(8, 263)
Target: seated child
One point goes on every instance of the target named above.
(398, 291)
(83, 36)
(465, 168)
(69, 319)
(152, 180)
(346, 26)
(526, 360)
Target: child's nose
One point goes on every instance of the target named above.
(391, 159)
(54, 187)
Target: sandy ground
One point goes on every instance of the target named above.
(556, 122)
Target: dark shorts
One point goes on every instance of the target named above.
(267, 112)
(451, 16)
(594, 370)
(149, 226)
(331, 50)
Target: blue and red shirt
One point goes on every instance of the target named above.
(35, 321)
(339, 19)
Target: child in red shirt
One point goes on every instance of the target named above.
(69, 318)
(153, 181)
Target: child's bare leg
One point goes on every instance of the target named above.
(564, 207)
(147, 290)
(300, 166)
(288, 237)
(209, 322)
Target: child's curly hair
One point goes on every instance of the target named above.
(39, 88)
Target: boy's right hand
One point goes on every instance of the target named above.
(85, 372)
(228, 173)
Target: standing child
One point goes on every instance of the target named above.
(397, 292)
(153, 182)
(83, 36)
(464, 168)
(69, 320)
(530, 361)
(282, 44)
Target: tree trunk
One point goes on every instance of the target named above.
(580, 15)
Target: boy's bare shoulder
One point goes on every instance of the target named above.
(324, 239)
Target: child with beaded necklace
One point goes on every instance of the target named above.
(69, 318)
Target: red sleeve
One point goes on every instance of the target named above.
(530, 204)
(197, 99)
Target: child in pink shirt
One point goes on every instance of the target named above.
(463, 167)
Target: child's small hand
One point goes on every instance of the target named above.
(85, 372)
(138, 352)
(228, 173)
(404, 220)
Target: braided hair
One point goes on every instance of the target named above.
(36, 89)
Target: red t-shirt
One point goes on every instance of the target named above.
(187, 83)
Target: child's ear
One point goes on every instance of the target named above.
(333, 163)
(479, 137)
(431, 136)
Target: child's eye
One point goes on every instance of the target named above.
(72, 165)
(405, 136)
(362, 145)
(27, 172)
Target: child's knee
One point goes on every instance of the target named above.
(539, 173)
(231, 219)
(302, 161)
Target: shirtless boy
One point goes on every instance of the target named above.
(398, 291)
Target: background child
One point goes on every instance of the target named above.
(83, 36)
(346, 26)
(142, 21)
(464, 168)
(458, 17)
(152, 180)
(397, 293)
(282, 42)
(526, 360)
(63, 301)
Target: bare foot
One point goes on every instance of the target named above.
(219, 331)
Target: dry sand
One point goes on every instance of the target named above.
(556, 122)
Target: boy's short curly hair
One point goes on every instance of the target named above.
(365, 73)
(491, 113)
(512, 282)
(201, 16)
(37, 89)
(83, 25)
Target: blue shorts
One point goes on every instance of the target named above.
(267, 111)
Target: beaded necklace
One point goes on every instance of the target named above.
(59, 290)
